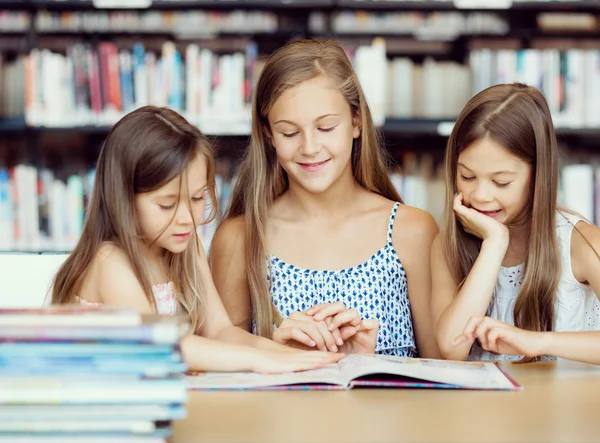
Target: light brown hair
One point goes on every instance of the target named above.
(261, 179)
(517, 117)
(145, 150)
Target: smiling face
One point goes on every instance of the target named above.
(493, 181)
(312, 129)
(169, 215)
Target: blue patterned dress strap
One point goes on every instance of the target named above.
(390, 229)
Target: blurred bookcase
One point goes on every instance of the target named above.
(70, 68)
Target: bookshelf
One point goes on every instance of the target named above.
(505, 6)
(438, 54)
(390, 5)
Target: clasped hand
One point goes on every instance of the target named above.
(328, 327)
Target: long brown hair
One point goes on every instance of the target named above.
(145, 150)
(517, 117)
(261, 180)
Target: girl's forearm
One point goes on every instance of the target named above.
(579, 346)
(472, 299)
(207, 355)
(233, 334)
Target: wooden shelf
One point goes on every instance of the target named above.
(391, 127)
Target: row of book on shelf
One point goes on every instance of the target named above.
(41, 212)
(182, 23)
(206, 22)
(97, 84)
(441, 25)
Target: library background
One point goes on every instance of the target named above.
(70, 68)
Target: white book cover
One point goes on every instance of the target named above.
(191, 81)
(575, 89)
(432, 89)
(151, 74)
(58, 216)
(21, 190)
(397, 181)
(390, 96)
(33, 81)
(207, 60)
(75, 192)
(70, 426)
(140, 76)
(532, 74)
(578, 189)
(33, 212)
(551, 79)
(238, 66)
(401, 95)
(370, 65)
(167, 72)
(592, 88)
(220, 103)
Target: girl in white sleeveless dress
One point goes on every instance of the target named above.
(514, 275)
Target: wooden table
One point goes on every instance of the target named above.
(559, 402)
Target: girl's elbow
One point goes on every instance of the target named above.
(449, 351)
(452, 353)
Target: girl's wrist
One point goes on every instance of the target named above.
(497, 243)
(545, 344)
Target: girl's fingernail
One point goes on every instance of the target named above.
(335, 348)
(318, 317)
(357, 328)
(340, 341)
(312, 343)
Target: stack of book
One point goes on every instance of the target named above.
(90, 375)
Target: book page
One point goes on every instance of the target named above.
(329, 375)
(479, 375)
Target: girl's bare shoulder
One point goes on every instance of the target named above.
(414, 226)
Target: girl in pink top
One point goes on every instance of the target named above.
(139, 247)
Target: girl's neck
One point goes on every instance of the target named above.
(516, 253)
(155, 260)
(339, 198)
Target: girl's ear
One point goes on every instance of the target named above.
(356, 125)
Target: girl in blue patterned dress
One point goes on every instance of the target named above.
(316, 249)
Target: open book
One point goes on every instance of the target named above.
(368, 371)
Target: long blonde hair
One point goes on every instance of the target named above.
(145, 150)
(261, 180)
(517, 117)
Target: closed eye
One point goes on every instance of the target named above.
(502, 185)
(467, 178)
(327, 129)
(289, 134)
(167, 207)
